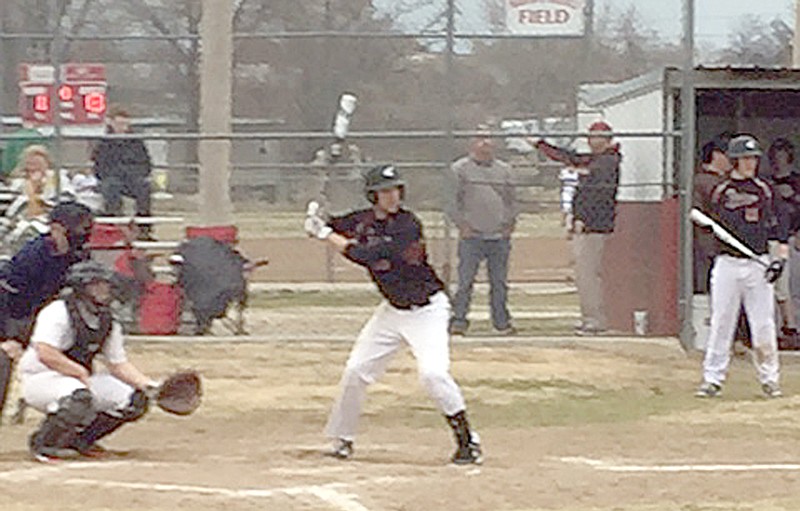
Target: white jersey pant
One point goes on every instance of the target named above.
(43, 390)
(736, 281)
(424, 329)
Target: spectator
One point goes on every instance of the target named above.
(714, 167)
(122, 165)
(33, 167)
(785, 181)
(25, 136)
(594, 213)
(485, 214)
(86, 187)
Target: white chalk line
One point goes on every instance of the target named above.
(326, 492)
(31, 474)
(692, 467)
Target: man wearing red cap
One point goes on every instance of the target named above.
(593, 217)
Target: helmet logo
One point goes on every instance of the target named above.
(750, 144)
(388, 173)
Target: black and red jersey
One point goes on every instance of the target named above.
(393, 250)
(746, 208)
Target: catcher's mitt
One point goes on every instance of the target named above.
(180, 393)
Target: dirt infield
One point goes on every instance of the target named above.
(579, 426)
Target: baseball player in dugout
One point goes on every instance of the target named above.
(57, 369)
(485, 214)
(744, 205)
(33, 278)
(594, 213)
(387, 240)
(713, 169)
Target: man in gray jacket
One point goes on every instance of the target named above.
(485, 214)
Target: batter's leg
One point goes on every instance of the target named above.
(373, 350)
(725, 303)
(425, 330)
(759, 302)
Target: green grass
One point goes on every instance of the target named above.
(518, 299)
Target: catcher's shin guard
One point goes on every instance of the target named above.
(6, 371)
(106, 423)
(59, 429)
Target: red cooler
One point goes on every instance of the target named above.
(160, 309)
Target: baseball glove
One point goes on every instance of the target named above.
(180, 393)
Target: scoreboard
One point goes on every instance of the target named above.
(78, 97)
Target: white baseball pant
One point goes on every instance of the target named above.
(735, 281)
(43, 390)
(424, 329)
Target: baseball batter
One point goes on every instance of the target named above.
(58, 379)
(387, 240)
(744, 205)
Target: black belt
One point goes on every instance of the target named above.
(410, 306)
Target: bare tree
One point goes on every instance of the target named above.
(759, 42)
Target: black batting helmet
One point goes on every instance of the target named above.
(743, 145)
(382, 177)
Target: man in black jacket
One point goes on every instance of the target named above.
(594, 205)
(123, 167)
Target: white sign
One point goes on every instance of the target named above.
(546, 17)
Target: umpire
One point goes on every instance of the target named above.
(34, 277)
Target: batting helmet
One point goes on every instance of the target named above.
(84, 273)
(743, 145)
(382, 177)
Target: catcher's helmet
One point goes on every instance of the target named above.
(743, 145)
(382, 177)
(84, 273)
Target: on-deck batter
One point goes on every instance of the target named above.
(744, 205)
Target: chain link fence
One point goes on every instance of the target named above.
(421, 94)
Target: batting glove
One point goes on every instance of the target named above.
(314, 225)
(774, 270)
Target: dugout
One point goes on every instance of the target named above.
(641, 261)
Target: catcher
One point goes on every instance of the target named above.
(58, 376)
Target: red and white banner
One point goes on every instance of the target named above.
(546, 17)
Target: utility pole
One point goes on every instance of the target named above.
(796, 39)
(685, 274)
(216, 70)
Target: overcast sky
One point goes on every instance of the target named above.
(714, 19)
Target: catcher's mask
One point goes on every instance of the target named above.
(383, 177)
(77, 221)
(82, 275)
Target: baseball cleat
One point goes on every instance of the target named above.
(772, 390)
(470, 454)
(342, 449)
(708, 390)
(54, 454)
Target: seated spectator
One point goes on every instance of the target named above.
(86, 187)
(34, 169)
(123, 166)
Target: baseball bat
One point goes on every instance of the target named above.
(723, 235)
